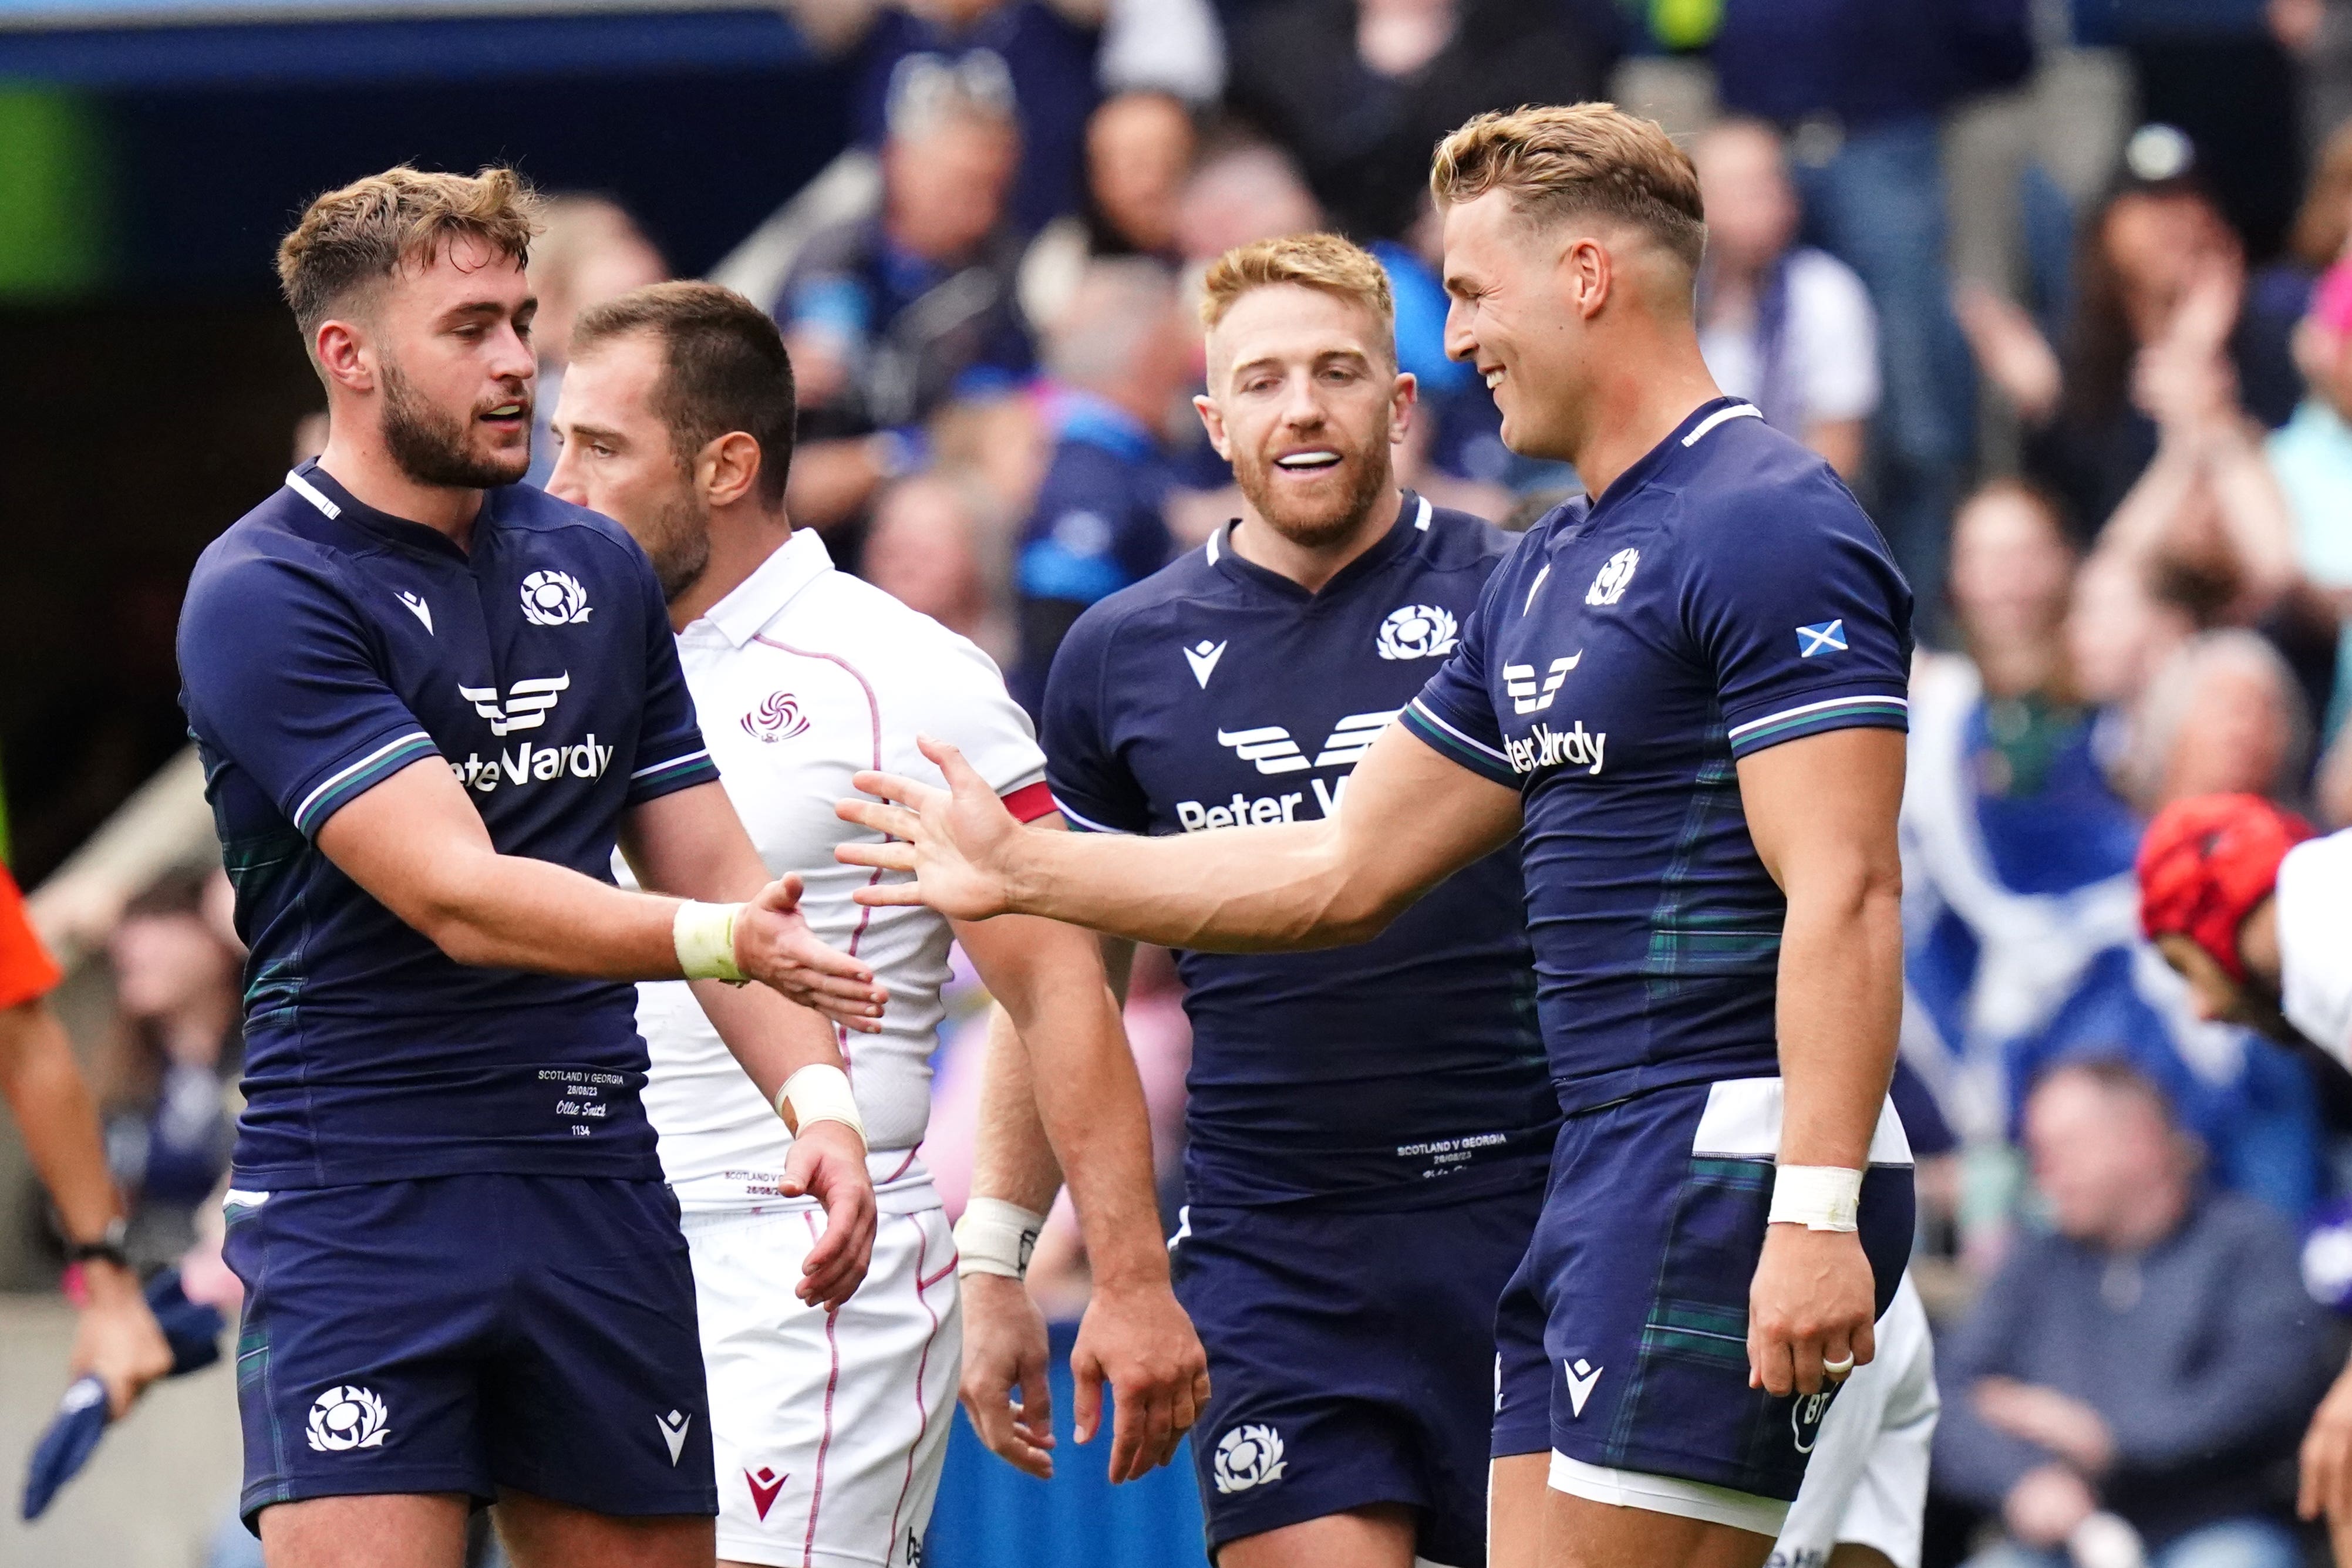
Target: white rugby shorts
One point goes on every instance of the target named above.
(829, 1431)
(1867, 1482)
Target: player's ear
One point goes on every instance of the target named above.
(1213, 419)
(1402, 399)
(1589, 274)
(342, 356)
(727, 468)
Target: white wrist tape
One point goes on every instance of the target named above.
(1819, 1197)
(819, 1092)
(704, 934)
(996, 1238)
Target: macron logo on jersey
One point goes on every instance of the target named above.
(528, 704)
(1204, 660)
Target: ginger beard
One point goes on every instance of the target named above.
(433, 447)
(676, 537)
(1315, 505)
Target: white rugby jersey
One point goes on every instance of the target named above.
(2315, 938)
(802, 676)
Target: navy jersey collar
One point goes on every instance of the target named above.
(321, 489)
(1695, 428)
(1411, 523)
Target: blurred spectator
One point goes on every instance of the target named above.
(1139, 149)
(1163, 46)
(1119, 359)
(1242, 191)
(2153, 1358)
(163, 1075)
(1033, 58)
(1860, 87)
(2224, 716)
(2021, 918)
(929, 550)
(890, 315)
(589, 251)
(2318, 33)
(1359, 91)
(2313, 463)
(1787, 327)
(2161, 295)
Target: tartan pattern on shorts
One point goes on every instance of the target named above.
(1693, 1343)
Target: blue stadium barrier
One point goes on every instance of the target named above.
(990, 1515)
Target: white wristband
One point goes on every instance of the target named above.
(704, 934)
(819, 1092)
(1819, 1197)
(996, 1238)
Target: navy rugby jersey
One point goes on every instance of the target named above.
(325, 646)
(1404, 1070)
(1724, 595)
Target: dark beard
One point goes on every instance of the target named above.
(678, 544)
(430, 447)
(1319, 531)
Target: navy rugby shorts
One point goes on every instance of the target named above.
(1350, 1361)
(467, 1332)
(1623, 1340)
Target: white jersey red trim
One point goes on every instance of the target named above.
(2315, 938)
(803, 676)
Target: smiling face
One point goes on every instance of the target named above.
(1509, 315)
(1305, 402)
(451, 342)
(616, 456)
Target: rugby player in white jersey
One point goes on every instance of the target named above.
(676, 420)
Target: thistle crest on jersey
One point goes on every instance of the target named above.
(1418, 631)
(553, 599)
(1616, 575)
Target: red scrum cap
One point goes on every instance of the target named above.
(2205, 863)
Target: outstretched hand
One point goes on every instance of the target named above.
(774, 945)
(959, 842)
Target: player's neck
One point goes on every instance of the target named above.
(365, 469)
(742, 537)
(1646, 389)
(1312, 566)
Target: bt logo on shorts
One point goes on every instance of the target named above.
(347, 1418)
(1248, 1457)
(1805, 1418)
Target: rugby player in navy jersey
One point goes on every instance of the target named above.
(429, 701)
(1368, 1131)
(1686, 701)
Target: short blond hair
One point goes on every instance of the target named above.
(361, 234)
(1559, 160)
(1319, 261)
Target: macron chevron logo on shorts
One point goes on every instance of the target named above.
(765, 1484)
(1582, 1377)
(673, 1430)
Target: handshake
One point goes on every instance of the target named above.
(768, 940)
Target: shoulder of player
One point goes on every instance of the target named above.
(529, 509)
(1456, 539)
(263, 554)
(846, 617)
(1766, 492)
(1139, 605)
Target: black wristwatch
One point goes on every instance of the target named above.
(107, 1248)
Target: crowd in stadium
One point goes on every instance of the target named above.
(2111, 449)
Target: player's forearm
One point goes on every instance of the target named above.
(1276, 888)
(57, 1118)
(1840, 1005)
(1013, 1157)
(1089, 1101)
(499, 911)
(770, 1038)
